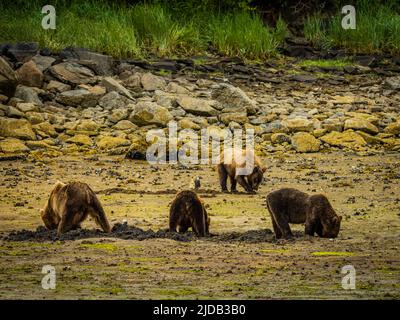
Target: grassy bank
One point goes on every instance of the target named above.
(377, 30)
(137, 30)
(177, 28)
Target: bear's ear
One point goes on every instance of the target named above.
(340, 218)
(263, 169)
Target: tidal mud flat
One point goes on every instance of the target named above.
(240, 260)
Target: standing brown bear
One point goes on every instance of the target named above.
(70, 204)
(233, 163)
(187, 210)
(290, 205)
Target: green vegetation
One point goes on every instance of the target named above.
(332, 253)
(142, 29)
(179, 28)
(334, 63)
(377, 29)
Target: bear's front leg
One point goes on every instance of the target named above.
(242, 181)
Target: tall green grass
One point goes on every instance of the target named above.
(97, 27)
(132, 31)
(377, 29)
(244, 34)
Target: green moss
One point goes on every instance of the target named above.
(102, 246)
(331, 253)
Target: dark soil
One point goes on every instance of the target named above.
(124, 231)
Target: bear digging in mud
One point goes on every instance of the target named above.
(187, 210)
(70, 204)
(289, 205)
(232, 161)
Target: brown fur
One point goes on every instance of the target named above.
(237, 159)
(187, 210)
(70, 204)
(289, 205)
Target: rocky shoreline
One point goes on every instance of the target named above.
(79, 101)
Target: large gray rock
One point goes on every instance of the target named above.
(43, 62)
(196, 106)
(113, 100)
(392, 83)
(113, 85)
(231, 97)
(28, 94)
(101, 64)
(72, 73)
(8, 79)
(23, 51)
(78, 98)
(145, 113)
(151, 82)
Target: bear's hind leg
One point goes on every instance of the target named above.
(223, 176)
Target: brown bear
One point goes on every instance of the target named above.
(233, 164)
(187, 210)
(290, 205)
(70, 204)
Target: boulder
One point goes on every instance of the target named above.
(393, 128)
(348, 139)
(43, 62)
(12, 112)
(56, 86)
(101, 64)
(173, 87)
(81, 139)
(30, 75)
(113, 100)
(124, 125)
(360, 124)
(392, 83)
(22, 51)
(239, 117)
(145, 113)
(231, 97)
(16, 128)
(72, 73)
(133, 81)
(113, 85)
(27, 106)
(117, 115)
(28, 94)
(196, 106)
(151, 82)
(46, 128)
(279, 138)
(305, 142)
(186, 123)
(8, 78)
(298, 125)
(12, 145)
(78, 98)
(106, 143)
